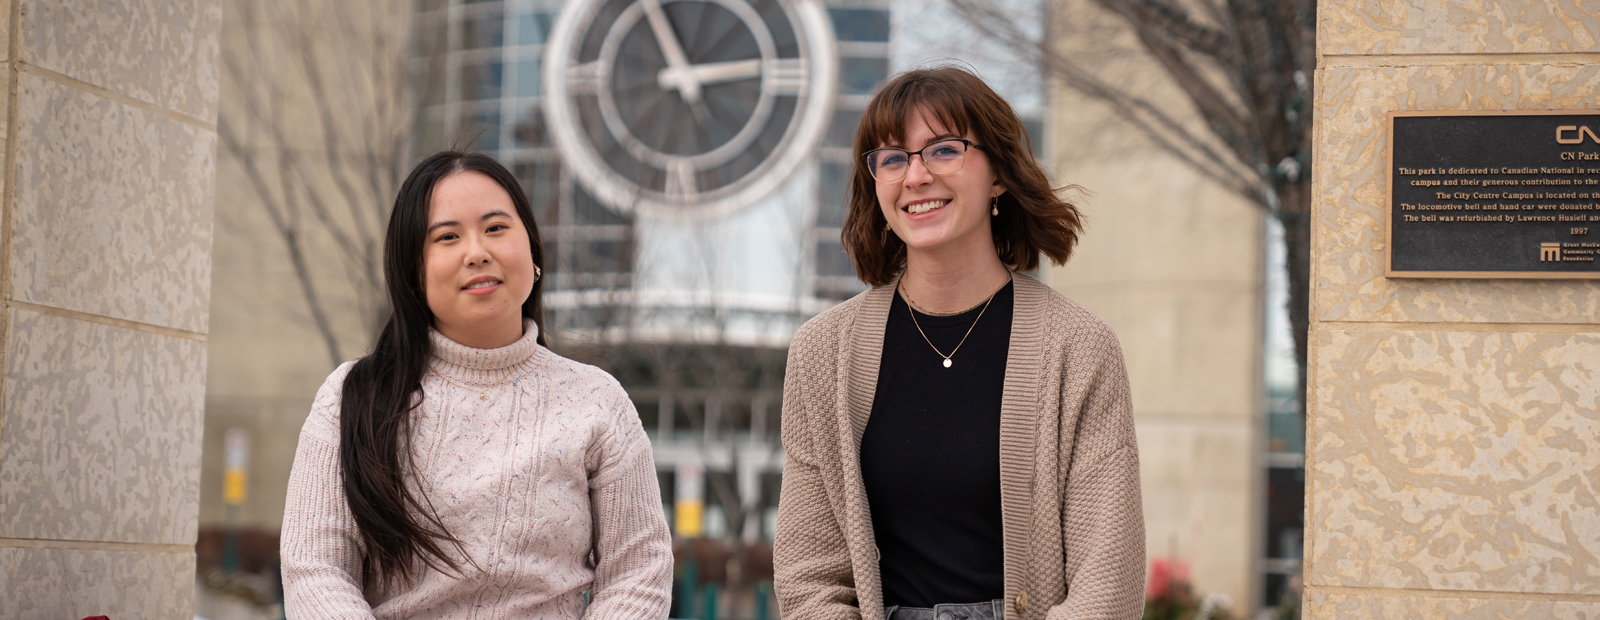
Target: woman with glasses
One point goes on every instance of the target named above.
(462, 470)
(959, 439)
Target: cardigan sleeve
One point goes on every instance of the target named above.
(1102, 516)
(814, 578)
(632, 546)
(321, 546)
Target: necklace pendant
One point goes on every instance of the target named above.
(482, 395)
(947, 362)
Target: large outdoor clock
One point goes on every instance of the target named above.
(687, 108)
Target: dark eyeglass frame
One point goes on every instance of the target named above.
(965, 145)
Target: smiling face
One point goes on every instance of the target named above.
(477, 266)
(946, 213)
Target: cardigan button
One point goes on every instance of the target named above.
(1022, 602)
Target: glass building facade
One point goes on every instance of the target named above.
(706, 375)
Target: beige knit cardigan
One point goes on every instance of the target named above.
(1069, 465)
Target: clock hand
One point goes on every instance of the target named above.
(702, 114)
(713, 72)
(677, 61)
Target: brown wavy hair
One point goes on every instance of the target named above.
(1033, 218)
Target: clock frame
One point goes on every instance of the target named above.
(656, 123)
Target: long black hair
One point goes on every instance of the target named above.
(383, 388)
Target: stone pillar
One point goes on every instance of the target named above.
(105, 265)
(1453, 468)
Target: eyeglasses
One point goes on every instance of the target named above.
(888, 165)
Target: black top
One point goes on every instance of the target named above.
(930, 456)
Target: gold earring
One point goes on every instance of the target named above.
(537, 273)
(994, 207)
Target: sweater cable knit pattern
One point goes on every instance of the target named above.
(548, 481)
(1071, 512)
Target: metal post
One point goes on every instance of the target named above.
(236, 455)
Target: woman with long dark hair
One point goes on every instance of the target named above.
(462, 470)
(959, 438)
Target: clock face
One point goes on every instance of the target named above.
(685, 108)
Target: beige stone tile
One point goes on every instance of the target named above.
(1456, 461)
(5, 29)
(51, 584)
(5, 108)
(113, 209)
(158, 51)
(1350, 194)
(1323, 606)
(1456, 26)
(102, 432)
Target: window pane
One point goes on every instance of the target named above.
(533, 28)
(530, 129)
(603, 257)
(831, 259)
(587, 209)
(481, 81)
(858, 76)
(528, 76)
(842, 131)
(483, 31)
(835, 178)
(479, 131)
(541, 181)
(1035, 130)
(860, 24)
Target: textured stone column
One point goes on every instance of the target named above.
(1453, 467)
(105, 265)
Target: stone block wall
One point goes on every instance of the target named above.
(1452, 465)
(109, 129)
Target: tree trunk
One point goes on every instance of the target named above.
(1294, 213)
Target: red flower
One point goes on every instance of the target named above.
(1165, 575)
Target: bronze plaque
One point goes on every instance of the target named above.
(1494, 194)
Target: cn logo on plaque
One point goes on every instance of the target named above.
(687, 108)
(1494, 194)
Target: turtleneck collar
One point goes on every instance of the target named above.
(460, 361)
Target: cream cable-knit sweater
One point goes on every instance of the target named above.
(552, 465)
(1069, 466)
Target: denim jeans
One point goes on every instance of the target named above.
(992, 610)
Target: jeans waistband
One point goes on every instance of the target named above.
(992, 610)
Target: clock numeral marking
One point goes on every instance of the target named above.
(680, 179)
(585, 79)
(786, 76)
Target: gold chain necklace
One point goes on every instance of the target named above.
(947, 362)
(483, 393)
(913, 303)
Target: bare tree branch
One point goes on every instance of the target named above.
(1264, 50)
(327, 149)
(1169, 134)
(1220, 115)
(286, 230)
(1173, 23)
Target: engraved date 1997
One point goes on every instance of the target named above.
(1580, 231)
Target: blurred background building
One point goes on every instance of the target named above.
(684, 269)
